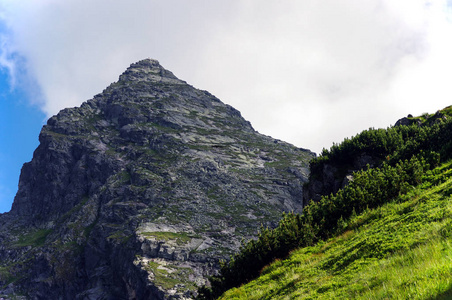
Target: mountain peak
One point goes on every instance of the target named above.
(151, 179)
(149, 70)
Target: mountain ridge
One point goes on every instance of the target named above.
(151, 179)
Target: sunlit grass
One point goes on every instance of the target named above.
(401, 250)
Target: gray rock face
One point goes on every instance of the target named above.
(406, 121)
(139, 193)
(424, 120)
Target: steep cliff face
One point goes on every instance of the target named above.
(139, 193)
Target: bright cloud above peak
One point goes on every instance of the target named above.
(304, 71)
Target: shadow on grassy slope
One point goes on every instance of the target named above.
(444, 296)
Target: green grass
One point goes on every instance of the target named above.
(6, 277)
(36, 238)
(168, 276)
(119, 237)
(181, 238)
(401, 250)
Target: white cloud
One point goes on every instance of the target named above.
(424, 82)
(318, 72)
(304, 71)
(6, 60)
(75, 48)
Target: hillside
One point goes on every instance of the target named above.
(401, 250)
(390, 207)
(141, 191)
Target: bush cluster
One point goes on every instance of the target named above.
(392, 145)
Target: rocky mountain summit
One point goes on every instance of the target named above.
(139, 193)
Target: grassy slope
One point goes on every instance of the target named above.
(402, 250)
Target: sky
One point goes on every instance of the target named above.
(307, 72)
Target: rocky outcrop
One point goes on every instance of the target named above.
(408, 120)
(139, 193)
(426, 119)
(331, 177)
